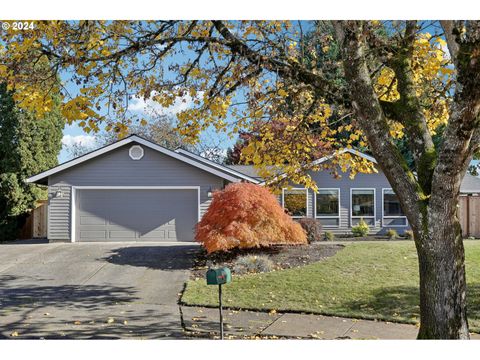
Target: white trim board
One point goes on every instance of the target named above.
(343, 151)
(225, 173)
(75, 188)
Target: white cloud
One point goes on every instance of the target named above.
(149, 106)
(83, 140)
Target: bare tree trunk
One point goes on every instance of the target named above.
(441, 260)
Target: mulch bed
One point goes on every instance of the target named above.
(283, 256)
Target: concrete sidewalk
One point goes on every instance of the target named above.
(251, 324)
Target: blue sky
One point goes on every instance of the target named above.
(138, 106)
(75, 134)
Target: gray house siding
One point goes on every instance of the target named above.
(377, 181)
(116, 168)
(59, 219)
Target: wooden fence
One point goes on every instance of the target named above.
(469, 214)
(35, 226)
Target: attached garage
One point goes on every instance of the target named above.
(135, 213)
(131, 191)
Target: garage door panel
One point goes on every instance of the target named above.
(91, 220)
(136, 215)
(121, 234)
(93, 235)
(153, 234)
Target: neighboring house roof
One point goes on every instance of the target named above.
(204, 164)
(470, 184)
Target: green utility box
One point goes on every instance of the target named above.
(219, 276)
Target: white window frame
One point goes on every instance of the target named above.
(391, 217)
(306, 201)
(374, 217)
(330, 216)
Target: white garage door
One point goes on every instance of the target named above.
(135, 214)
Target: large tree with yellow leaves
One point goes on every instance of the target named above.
(304, 89)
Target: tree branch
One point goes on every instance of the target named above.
(286, 68)
(372, 119)
(450, 35)
(408, 109)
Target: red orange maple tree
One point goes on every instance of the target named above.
(245, 215)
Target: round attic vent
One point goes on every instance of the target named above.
(136, 152)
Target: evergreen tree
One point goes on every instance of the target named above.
(28, 145)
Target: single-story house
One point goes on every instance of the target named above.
(136, 190)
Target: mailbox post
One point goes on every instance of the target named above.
(219, 277)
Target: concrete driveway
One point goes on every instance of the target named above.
(106, 290)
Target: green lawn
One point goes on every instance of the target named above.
(364, 280)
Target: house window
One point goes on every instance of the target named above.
(327, 207)
(392, 211)
(295, 202)
(363, 206)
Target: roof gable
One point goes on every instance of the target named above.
(336, 153)
(218, 170)
(343, 151)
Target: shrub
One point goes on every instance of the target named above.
(245, 215)
(408, 234)
(330, 236)
(361, 229)
(392, 234)
(252, 264)
(312, 228)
